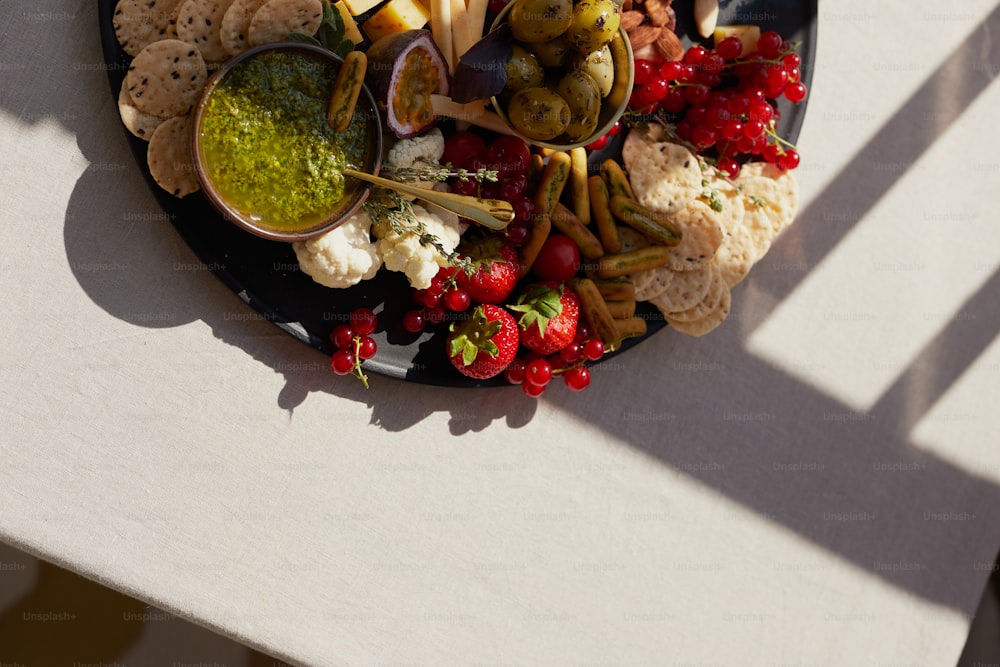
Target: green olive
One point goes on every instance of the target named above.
(600, 66)
(540, 20)
(554, 53)
(523, 70)
(538, 113)
(583, 97)
(593, 24)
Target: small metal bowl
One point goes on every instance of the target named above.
(356, 191)
(611, 109)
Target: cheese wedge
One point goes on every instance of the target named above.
(396, 16)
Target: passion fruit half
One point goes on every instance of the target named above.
(404, 70)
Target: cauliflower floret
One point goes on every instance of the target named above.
(404, 252)
(420, 151)
(342, 257)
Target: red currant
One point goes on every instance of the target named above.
(538, 372)
(577, 378)
(532, 390)
(795, 91)
(729, 167)
(730, 48)
(456, 300)
(571, 353)
(671, 70)
(645, 71)
(363, 321)
(414, 321)
(769, 44)
(514, 373)
(694, 54)
(789, 159)
(367, 347)
(342, 361)
(342, 335)
(598, 144)
(517, 232)
(593, 348)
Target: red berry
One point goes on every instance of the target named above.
(367, 347)
(342, 336)
(431, 300)
(729, 167)
(645, 71)
(532, 390)
(730, 48)
(795, 91)
(363, 321)
(593, 348)
(791, 61)
(615, 129)
(515, 371)
(538, 372)
(694, 54)
(577, 378)
(509, 155)
(513, 187)
(558, 260)
(789, 160)
(464, 149)
(414, 321)
(467, 187)
(524, 208)
(517, 232)
(769, 44)
(342, 361)
(671, 70)
(598, 144)
(571, 353)
(456, 300)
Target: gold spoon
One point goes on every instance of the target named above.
(491, 213)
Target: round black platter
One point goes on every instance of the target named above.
(265, 273)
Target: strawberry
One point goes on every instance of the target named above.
(548, 316)
(496, 269)
(483, 344)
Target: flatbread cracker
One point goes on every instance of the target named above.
(778, 190)
(686, 290)
(169, 157)
(139, 23)
(166, 78)
(736, 256)
(200, 23)
(701, 236)
(235, 29)
(651, 284)
(706, 324)
(707, 304)
(276, 18)
(664, 176)
(135, 121)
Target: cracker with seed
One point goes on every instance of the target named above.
(166, 78)
(653, 283)
(276, 18)
(169, 157)
(707, 304)
(775, 189)
(736, 256)
(686, 290)
(664, 176)
(706, 324)
(138, 123)
(235, 28)
(701, 236)
(139, 23)
(200, 23)
(757, 222)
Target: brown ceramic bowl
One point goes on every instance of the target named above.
(244, 206)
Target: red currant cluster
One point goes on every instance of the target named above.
(434, 303)
(534, 372)
(354, 343)
(721, 100)
(509, 157)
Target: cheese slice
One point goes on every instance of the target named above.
(359, 7)
(352, 32)
(396, 16)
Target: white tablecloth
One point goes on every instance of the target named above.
(813, 483)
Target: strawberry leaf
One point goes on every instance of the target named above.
(539, 303)
(470, 336)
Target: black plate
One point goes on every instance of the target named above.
(265, 273)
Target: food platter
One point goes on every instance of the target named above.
(265, 274)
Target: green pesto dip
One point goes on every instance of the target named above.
(268, 147)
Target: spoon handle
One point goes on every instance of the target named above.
(491, 213)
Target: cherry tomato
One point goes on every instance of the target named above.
(558, 260)
(462, 148)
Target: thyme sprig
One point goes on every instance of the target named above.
(437, 174)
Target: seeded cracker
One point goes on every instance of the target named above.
(686, 290)
(235, 29)
(736, 256)
(276, 18)
(169, 157)
(138, 123)
(200, 22)
(708, 323)
(664, 176)
(166, 78)
(701, 236)
(775, 190)
(707, 304)
(139, 23)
